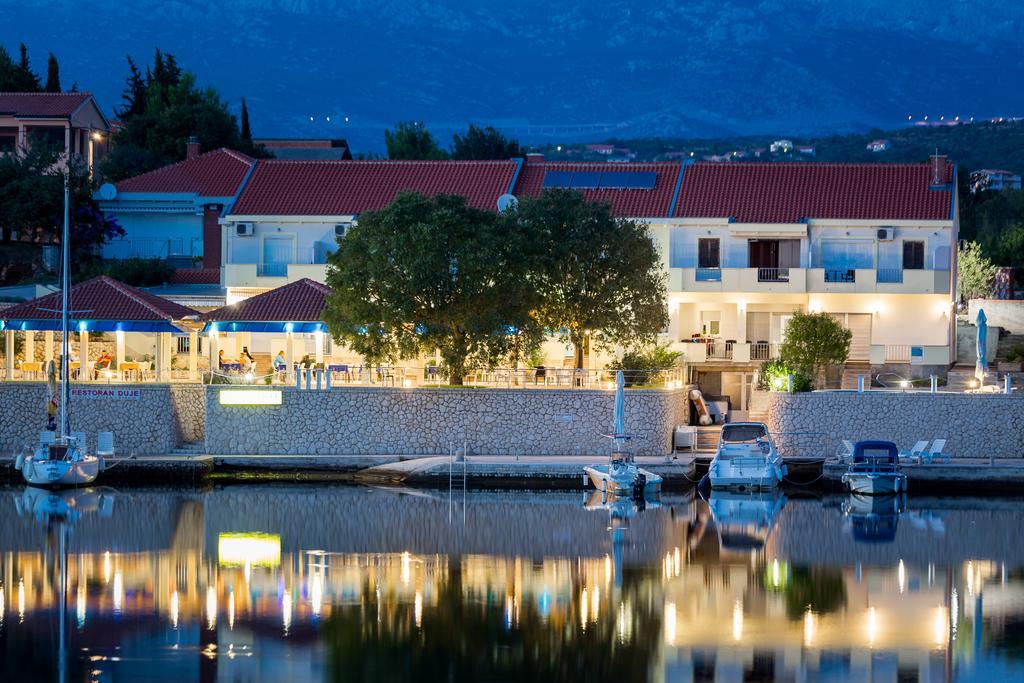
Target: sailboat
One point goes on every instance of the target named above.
(621, 476)
(62, 461)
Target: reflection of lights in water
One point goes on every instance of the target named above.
(211, 607)
(544, 604)
(941, 626)
(118, 591)
(810, 627)
(247, 570)
(2, 606)
(584, 609)
(737, 620)
(405, 568)
(107, 569)
(316, 593)
(417, 609)
(286, 611)
(80, 605)
(670, 623)
(901, 576)
(775, 573)
(250, 548)
(21, 599)
(595, 603)
(607, 569)
(872, 625)
(174, 609)
(954, 613)
(231, 610)
(677, 562)
(508, 612)
(668, 565)
(625, 623)
(931, 573)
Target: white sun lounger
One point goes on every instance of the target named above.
(935, 453)
(915, 453)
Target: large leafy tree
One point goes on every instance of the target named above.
(412, 140)
(484, 143)
(426, 274)
(597, 276)
(160, 112)
(975, 273)
(815, 342)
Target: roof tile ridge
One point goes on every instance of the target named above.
(132, 293)
(235, 154)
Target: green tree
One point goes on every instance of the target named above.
(975, 273)
(484, 143)
(25, 80)
(412, 140)
(599, 278)
(425, 274)
(52, 75)
(814, 342)
(160, 114)
(246, 133)
(7, 80)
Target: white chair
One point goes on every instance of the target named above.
(845, 450)
(105, 444)
(935, 453)
(915, 453)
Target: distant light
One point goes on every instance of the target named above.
(328, 119)
(691, 154)
(926, 117)
(311, 119)
(559, 148)
(97, 135)
(346, 119)
(957, 118)
(910, 117)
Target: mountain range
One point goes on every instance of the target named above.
(572, 70)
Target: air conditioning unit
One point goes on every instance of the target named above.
(243, 229)
(341, 229)
(886, 234)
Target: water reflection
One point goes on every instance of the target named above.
(337, 583)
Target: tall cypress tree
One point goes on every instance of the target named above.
(26, 80)
(246, 133)
(52, 75)
(7, 79)
(134, 94)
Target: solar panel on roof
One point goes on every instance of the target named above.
(628, 180)
(586, 180)
(557, 179)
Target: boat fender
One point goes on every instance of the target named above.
(20, 462)
(103, 462)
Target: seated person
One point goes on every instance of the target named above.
(280, 364)
(102, 363)
(221, 360)
(246, 360)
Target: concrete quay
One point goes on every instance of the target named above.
(960, 476)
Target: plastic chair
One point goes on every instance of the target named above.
(915, 453)
(935, 453)
(105, 443)
(845, 450)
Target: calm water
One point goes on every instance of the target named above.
(290, 583)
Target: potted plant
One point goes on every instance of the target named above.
(1013, 359)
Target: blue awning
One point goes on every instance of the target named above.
(75, 325)
(262, 326)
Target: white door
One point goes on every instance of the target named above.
(277, 254)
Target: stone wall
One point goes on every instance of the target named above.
(1005, 313)
(389, 421)
(974, 425)
(153, 424)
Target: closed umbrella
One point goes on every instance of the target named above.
(52, 402)
(981, 366)
(620, 405)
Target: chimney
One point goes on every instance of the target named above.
(192, 147)
(938, 169)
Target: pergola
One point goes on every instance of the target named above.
(101, 304)
(290, 310)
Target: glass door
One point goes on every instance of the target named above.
(277, 254)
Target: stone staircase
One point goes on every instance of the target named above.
(190, 449)
(850, 373)
(757, 409)
(1007, 343)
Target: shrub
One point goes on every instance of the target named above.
(644, 362)
(814, 342)
(774, 377)
(1016, 353)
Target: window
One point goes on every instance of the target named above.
(708, 253)
(913, 255)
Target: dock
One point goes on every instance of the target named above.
(961, 476)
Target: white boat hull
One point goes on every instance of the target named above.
(875, 484)
(43, 471)
(619, 480)
(749, 474)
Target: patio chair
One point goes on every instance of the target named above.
(105, 444)
(845, 450)
(915, 453)
(935, 453)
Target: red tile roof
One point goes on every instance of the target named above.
(41, 104)
(624, 203)
(102, 298)
(214, 174)
(196, 276)
(343, 188)
(299, 301)
(789, 192)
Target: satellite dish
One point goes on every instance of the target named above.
(107, 191)
(507, 201)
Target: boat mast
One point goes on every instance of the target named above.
(65, 244)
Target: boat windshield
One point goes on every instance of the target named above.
(743, 432)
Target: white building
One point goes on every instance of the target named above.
(994, 179)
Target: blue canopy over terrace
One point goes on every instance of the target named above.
(99, 305)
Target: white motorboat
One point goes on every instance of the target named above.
(746, 459)
(873, 519)
(621, 476)
(875, 470)
(745, 520)
(62, 461)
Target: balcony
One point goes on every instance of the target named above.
(260, 275)
(727, 350)
(737, 280)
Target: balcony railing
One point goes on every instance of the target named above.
(897, 353)
(890, 275)
(720, 350)
(763, 351)
(272, 269)
(773, 274)
(153, 248)
(840, 275)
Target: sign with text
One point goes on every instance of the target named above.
(113, 393)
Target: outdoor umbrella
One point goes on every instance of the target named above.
(981, 365)
(52, 402)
